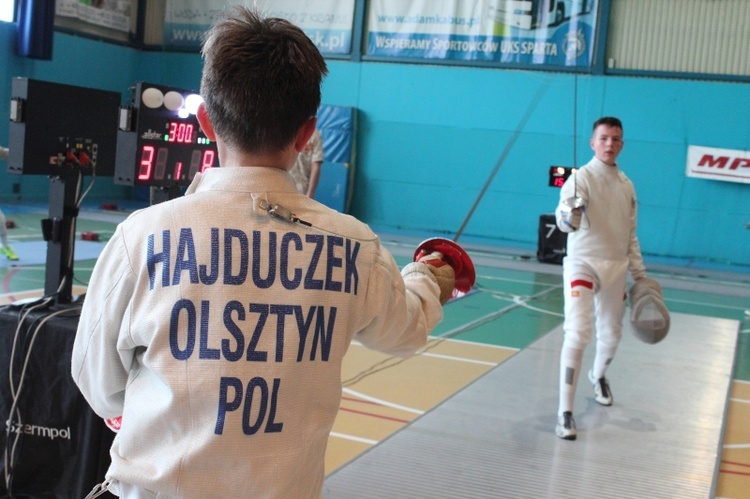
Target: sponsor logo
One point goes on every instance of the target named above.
(730, 162)
(729, 165)
(38, 431)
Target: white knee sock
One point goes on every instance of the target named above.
(604, 356)
(570, 367)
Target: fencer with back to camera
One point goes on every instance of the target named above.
(215, 324)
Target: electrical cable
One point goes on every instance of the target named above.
(72, 235)
(23, 313)
(388, 363)
(78, 207)
(575, 114)
(504, 155)
(91, 184)
(9, 459)
(434, 341)
(79, 202)
(575, 202)
(8, 467)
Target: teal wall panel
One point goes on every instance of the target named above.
(430, 130)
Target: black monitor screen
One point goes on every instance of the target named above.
(55, 127)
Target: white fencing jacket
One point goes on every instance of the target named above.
(608, 226)
(217, 331)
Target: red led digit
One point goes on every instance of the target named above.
(182, 133)
(187, 133)
(195, 163)
(559, 181)
(161, 163)
(177, 170)
(147, 161)
(208, 159)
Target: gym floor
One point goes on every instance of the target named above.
(515, 302)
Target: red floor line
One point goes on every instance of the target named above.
(747, 465)
(397, 420)
(353, 399)
(742, 473)
(6, 283)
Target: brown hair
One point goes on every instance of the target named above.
(261, 80)
(609, 121)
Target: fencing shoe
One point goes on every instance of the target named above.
(566, 426)
(601, 389)
(9, 253)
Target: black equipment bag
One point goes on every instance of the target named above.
(63, 446)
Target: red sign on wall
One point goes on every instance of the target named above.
(729, 165)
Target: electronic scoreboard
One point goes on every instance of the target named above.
(559, 174)
(159, 140)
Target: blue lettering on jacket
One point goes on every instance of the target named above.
(256, 401)
(229, 236)
(226, 347)
(310, 281)
(318, 262)
(174, 339)
(185, 261)
(205, 351)
(264, 282)
(286, 241)
(333, 243)
(215, 345)
(253, 355)
(207, 278)
(153, 258)
(351, 266)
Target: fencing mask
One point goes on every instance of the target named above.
(649, 316)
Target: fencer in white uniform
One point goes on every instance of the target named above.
(602, 247)
(217, 331)
(215, 324)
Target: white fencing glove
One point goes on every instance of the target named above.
(572, 218)
(444, 274)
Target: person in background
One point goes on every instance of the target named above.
(215, 324)
(598, 210)
(306, 170)
(5, 248)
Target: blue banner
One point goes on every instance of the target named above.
(539, 32)
(328, 23)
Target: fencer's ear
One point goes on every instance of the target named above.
(205, 123)
(304, 133)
